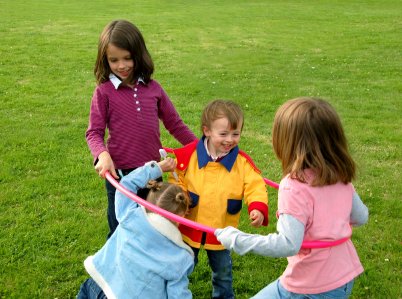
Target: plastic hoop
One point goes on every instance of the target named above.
(271, 183)
(202, 227)
(158, 210)
(267, 182)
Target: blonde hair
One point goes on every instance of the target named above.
(222, 108)
(307, 134)
(169, 197)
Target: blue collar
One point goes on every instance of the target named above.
(204, 158)
(116, 80)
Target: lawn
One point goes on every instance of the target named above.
(257, 53)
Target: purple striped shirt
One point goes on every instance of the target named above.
(131, 116)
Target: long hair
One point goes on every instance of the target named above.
(307, 134)
(127, 36)
(169, 197)
(219, 109)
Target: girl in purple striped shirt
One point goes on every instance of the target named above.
(127, 104)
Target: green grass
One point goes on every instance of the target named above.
(257, 53)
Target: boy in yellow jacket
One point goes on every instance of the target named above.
(218, 177)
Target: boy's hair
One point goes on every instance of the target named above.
(222, 108)
(169, 197)
(127, 36)
(307, 134)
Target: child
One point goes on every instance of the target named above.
(146, 256)
(218, 177)
(316, 202)
(129, 104)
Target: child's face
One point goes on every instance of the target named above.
(120, 61)
(222, 138)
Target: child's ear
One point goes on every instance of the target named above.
(206, 131)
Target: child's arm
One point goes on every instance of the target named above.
(95, 133)
(138, 179)
(359, 214)
(178, 289)
(255, 196)
(286, 242)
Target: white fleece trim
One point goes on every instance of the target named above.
(90, 267)
(167, 229)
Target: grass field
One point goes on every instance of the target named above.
(258, 53)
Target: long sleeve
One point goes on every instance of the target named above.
(178, 289)
(286, 242)
(137, 179)
(255, 192)
(359, 214)
(95, 133)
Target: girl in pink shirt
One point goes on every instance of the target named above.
(127, 106)
(317, 204)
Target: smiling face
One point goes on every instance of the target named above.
(120, 61)
(222, 137)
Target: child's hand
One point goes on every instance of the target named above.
(167, 165)
(256, 218)
(227, 236)
(105, 163)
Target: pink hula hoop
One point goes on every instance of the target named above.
(267, 182)
(271, 183)
(157, 209)
(202, 227)
(322, 244)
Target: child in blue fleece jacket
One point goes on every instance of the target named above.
(146, 256)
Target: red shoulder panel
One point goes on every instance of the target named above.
(184, 153)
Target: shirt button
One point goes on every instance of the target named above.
(137, 102)
(181, 165)
(135, 89)
(138, 109)
(135, 95)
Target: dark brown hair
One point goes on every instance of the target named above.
(219, 109)
(127, 36)
(307, 134)
(169, 197)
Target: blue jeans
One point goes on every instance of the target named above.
(90, 290)
(276, 291)
(220, 262)
(111, 213)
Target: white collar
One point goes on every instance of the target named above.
(116, 80)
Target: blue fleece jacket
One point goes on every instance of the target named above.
(146, 256)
